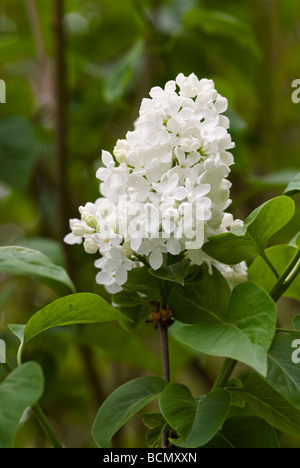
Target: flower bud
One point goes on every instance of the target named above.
(90, 246)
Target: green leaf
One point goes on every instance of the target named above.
(122, 405)
(283, 373)
(140, 280)
(74, 309)
(220, 24)
(17, 260)
(134, 308)
(258, 398)
(234, 247)
(175, 273)
(245, 333)
(196, 420)
(134, 302)
(245, 432)
(21, 389)
(294, 186)
(17, 151)
(154, 436)
(201, 300)
(280, 256)
(157, 425)
(153, 420)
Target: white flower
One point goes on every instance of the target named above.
(154, 248)
(114, 265)
(170, 189)
(167, 190)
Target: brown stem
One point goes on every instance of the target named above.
(163, 330)
(60, 123)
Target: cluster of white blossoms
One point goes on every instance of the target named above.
(165, 188)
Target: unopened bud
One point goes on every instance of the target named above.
(90, 247)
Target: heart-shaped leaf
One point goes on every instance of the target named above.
(234, 247)
(245, 432)
(195, 420)
(284, 365)
(140, 280)
(122, 405)
(245, 333)
(175, 273)
(202, 299)
(258, 398)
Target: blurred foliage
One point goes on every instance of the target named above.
(116, 51)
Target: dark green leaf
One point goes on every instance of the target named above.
(122, 405)
(140, 280)
(258, 398)
(283, 373)
(245, 333)
(245, 432)
(199, 301)
(195, 420)
(153, 420)
(175, 273)
(234, 247)
(154, 437)
(134, 308)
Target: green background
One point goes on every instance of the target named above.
(116, 50)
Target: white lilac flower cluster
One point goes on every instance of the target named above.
(165, 190)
